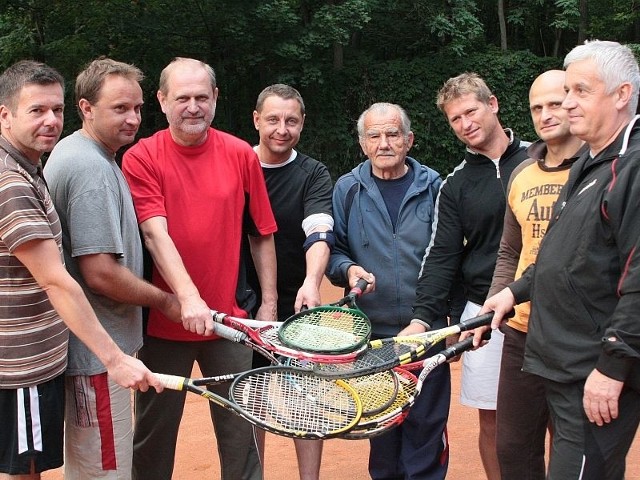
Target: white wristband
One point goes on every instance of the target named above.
(426, 326)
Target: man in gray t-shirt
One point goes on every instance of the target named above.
(103, 252)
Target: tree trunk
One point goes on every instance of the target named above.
(503, 26)
(582, 29)
(338, 56)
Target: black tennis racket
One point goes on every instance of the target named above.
(409, 391)
(387, 353)
(282, 400)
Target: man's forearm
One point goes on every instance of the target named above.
(105, 276)
(263, 252)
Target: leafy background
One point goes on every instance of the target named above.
(342, 55)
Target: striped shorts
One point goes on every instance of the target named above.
(32, 428)
(99, 429)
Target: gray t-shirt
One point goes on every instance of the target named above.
(97, 216)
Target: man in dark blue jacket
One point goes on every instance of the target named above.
(584, 330)
(383, 210)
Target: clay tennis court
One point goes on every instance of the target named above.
(197, 458)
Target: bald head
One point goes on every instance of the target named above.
(549, 79)
(184, 65)
(546, 95)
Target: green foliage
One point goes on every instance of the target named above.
(342, 55)
(414, 86)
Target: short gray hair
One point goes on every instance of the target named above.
(279, 90)
(383, 107)
(616, 65)
(166, 72)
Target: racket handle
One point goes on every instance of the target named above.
(360, 286)
(460, 347)
(229, 333)
(475, 322)
(172, 382)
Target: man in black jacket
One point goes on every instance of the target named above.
(584, 330)
(465, 238)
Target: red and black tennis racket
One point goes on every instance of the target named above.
(331, 333)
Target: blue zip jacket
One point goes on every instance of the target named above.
(365, 237)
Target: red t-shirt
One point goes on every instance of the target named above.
(201, 192)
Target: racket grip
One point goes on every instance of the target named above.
(359, 287)
(475, 322)
(172, 382)
(460, 347)
(228, 333)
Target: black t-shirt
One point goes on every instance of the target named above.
(393, 192)
(297, 190)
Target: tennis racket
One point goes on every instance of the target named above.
(409, 391)
(377, 391)
(387, 353)
(282, 400)
(429, 364)
(374, 424)
(263, 338)
(314, 329)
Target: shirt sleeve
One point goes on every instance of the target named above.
(509, 251)
(22, 217)
(144, 182)
(441, 260)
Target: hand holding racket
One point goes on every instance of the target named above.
(331, 333)
(314, 330)
(391, 352)
(282, 400)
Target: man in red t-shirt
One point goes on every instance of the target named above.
(190, 184)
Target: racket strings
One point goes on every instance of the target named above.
(375, 424)
(376, 391)
(326, 329)
(295, 402)
(372, 360)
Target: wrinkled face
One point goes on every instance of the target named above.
(35, 125)
(279, 124)
(590, 108)
(190, 103)
(475, 123)
(550, 120)
(114, 119)
(385, 144)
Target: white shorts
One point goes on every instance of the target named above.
(98, 429)
(481, 369)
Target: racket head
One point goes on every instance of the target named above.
(383, 356)
(295, 403)
(376, 391)
(326, 329)
(375, 424)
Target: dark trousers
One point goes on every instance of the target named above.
(583, 450)
(522, 415)
(157, 416)
(417, 449)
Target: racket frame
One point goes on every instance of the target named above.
(412, 348)
(346, 306)
(175, 382)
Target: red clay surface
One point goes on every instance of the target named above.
(197, 458)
